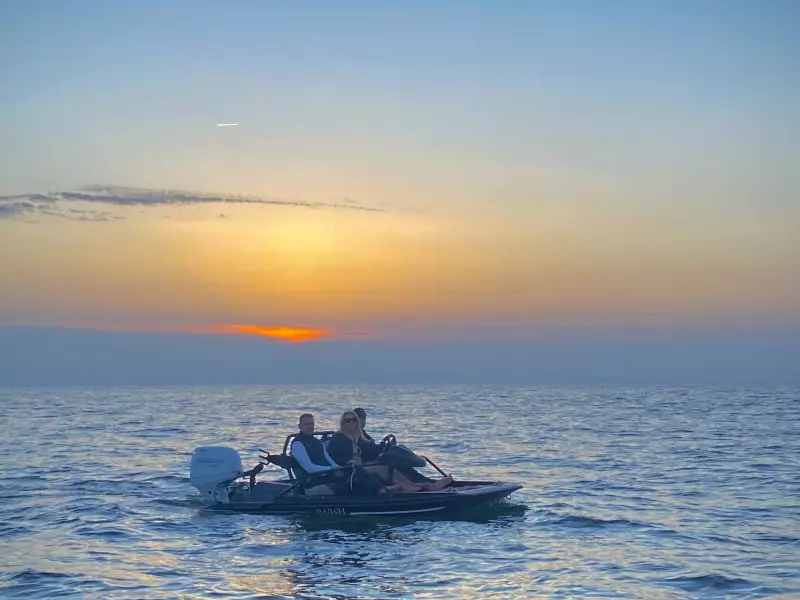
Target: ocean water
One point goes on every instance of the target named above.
(629, 493)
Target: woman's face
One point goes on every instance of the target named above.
(350, 423)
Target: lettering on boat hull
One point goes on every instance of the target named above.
(331, 511)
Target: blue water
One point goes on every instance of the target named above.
(629, 493)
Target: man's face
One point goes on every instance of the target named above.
(306, 425)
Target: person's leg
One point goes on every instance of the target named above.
(368, 484)
(406, 485)
(414, 476)
(404, 481)
(438, 485)
(379, 471)
(382, 473)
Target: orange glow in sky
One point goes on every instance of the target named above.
(284, 333)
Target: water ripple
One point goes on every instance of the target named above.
(651, 493)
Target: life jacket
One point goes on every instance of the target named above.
(314, 449)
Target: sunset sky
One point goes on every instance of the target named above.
(409, 173)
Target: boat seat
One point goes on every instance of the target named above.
(285, 460)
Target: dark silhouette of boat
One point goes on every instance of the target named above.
(216, 471)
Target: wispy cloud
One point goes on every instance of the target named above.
(291, 334)
(26, 206)
(15, 208)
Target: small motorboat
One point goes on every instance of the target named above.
(217, 473)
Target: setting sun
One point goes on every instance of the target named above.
(284, 333)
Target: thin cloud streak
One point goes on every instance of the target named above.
(291, 334)
(56, 203)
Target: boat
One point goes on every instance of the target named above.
(217, 473)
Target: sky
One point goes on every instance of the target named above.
(568, 191)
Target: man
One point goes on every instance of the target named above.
(362, 417)
(308, 451)
(370, 452)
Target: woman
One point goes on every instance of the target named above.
(348, 447)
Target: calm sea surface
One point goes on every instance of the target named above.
(629, 493)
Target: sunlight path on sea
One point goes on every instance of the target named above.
(629, 493)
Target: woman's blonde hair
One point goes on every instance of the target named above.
(360, 434)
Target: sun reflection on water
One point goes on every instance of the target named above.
(115, 515)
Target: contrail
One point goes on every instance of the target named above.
(227, 124)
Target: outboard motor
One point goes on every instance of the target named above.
(212, 469)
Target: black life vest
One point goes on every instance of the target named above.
(314, 449)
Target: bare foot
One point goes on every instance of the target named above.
(441, 484)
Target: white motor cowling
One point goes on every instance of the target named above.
(212, 468)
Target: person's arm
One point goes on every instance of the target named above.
(369, 450)
(301, 456)
(340, 449)
(328, 456)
